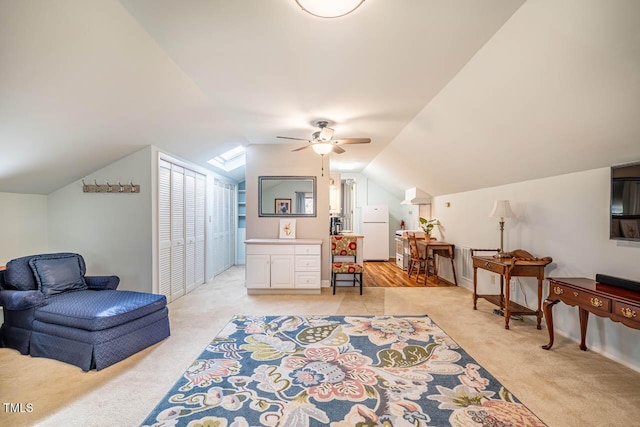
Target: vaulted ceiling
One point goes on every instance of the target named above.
(455, 95)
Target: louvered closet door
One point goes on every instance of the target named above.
(177, 232)
(190, 228)
(201, 182)
(164, 229)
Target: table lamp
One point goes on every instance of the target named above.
(502, 210)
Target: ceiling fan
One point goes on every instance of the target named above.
(322, 143)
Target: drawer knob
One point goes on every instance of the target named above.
(487, 264)
(596, 302)
(575, 294)
(628, 313)
(558, 290)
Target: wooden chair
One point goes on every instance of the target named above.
(418, 260)
(345, 247)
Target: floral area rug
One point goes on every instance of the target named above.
(342, 371)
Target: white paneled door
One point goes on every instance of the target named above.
(181, 224)
(224, 196)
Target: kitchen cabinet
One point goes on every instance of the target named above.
(283, 265)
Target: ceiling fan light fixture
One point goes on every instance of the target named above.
(325, 134)
(329, 8)
(322, 148)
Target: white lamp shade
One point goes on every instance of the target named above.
(329, 8)
(322, 148)
(502, 209)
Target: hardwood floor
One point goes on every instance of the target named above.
(380, 274)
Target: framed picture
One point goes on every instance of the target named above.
(283, 206)
(287, 228)
(630, 228)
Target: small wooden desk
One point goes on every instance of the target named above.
(618, 304)
(443, 249)
(508, 268)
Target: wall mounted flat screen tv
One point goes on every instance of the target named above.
(625, 202)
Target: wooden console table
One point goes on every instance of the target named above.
(508, 268)
(618, 304)
(443, 249)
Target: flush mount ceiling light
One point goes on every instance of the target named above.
(329, 8)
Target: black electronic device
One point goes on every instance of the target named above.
(631, 285)
(625, 202)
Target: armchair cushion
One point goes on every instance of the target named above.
(20, 276)
(97, 310)
(58, 274)
(21, 300)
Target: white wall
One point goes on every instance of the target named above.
(278, 160)
(23, 225)
(565, 217)
(113, 232)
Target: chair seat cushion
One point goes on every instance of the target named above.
(96, 310)
(346, 267)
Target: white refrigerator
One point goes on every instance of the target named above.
(375, 228)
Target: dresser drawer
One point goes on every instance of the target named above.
(573, 296)
(269, 250)
(593, 301)
(307, 280)
(307, 263)
(564, 293)
(628, 311)
(488, 265)
(307, 249)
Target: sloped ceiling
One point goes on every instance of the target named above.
(455, 95)
(556, 90)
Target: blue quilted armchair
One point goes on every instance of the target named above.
(51, 309)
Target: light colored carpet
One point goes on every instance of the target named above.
(564, 386)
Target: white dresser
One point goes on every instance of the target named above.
(283, 266)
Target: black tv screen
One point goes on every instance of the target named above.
(625, 202)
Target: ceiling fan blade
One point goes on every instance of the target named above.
(337, 150)
(301, 148)
(352, 141)
(295, 139)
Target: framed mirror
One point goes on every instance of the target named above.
(287, 196)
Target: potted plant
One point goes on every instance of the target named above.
(427, 225)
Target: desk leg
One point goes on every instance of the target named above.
(548, 317)
(507, 315)
(475, 287)
(539, 312)
(584, 318)
(453, 267)
(435, 268)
